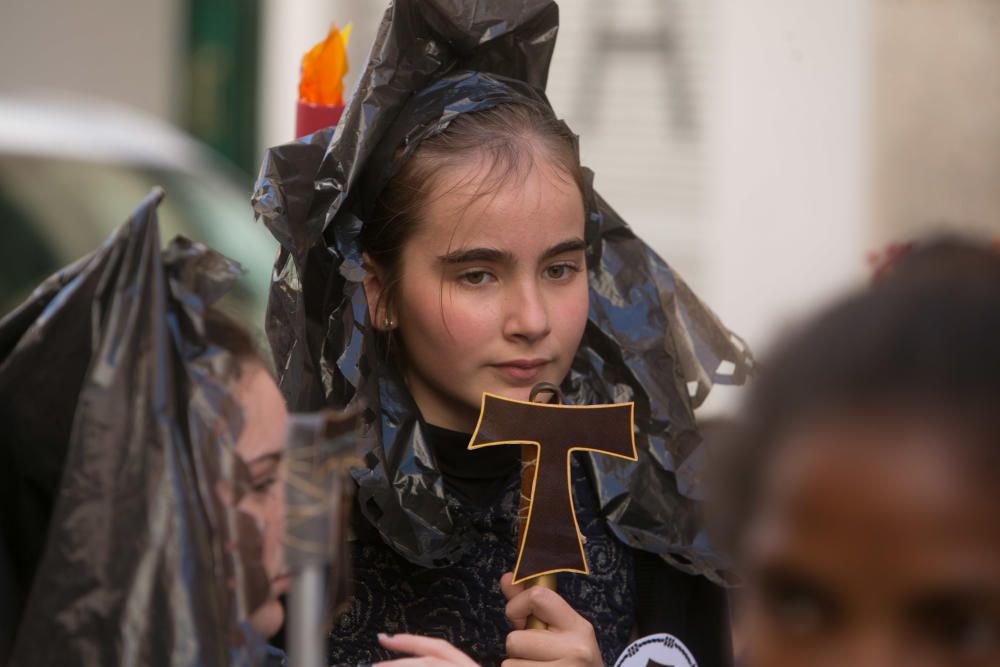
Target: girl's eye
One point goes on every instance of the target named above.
(797, 606)
(475, 277)
(263, 486)
(560, 271)
(802, 615)
(962, 631)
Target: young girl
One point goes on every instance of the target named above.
(864, 487)
(445, 242)
(477, 282)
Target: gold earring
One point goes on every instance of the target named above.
(388, 322)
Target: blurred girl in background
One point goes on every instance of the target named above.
(861, 493)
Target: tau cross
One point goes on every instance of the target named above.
(551, 537)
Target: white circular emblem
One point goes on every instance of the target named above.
(660, 650)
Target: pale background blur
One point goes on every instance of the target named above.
(763, 148)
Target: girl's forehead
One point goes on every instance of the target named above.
(264, 414)
(535, 207)
(879, 515)
(904, 479)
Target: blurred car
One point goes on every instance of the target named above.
(71, 171)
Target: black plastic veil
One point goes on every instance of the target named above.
(122, 533)
(649, 339)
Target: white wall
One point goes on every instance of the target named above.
(789, 165)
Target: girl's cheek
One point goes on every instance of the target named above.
(577, 307)
(470, 313)
(275, 550)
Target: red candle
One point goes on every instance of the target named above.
(321, 86)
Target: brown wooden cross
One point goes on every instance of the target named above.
(551, 537)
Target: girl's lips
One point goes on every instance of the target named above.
(522, 370)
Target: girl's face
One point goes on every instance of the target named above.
(493, 292)
(872, 545)
(260, 447)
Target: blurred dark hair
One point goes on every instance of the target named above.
(223, 331)
(923, 341)
(507, 139)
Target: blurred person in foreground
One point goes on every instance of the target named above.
(140, 500)
(860, 495)
(259, 448)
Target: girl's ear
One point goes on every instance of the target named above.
(374, 286)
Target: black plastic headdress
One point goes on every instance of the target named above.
(649, 339)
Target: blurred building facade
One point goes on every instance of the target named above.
(936, 88)
(125, 50)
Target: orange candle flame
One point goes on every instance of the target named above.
(323, 70)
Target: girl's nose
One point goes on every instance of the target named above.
(527, 315)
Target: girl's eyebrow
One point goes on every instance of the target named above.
(569, 245)
(492, 255)
(495, 255)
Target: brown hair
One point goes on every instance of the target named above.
(505, 140)
(224, 332)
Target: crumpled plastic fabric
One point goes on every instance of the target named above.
(118, 440)
(649, 339)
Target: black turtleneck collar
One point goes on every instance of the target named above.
(478, 475)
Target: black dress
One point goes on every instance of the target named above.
(462, 602)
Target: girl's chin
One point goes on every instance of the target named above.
(267, 620)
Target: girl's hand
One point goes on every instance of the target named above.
(569, 639)
(428, 652)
